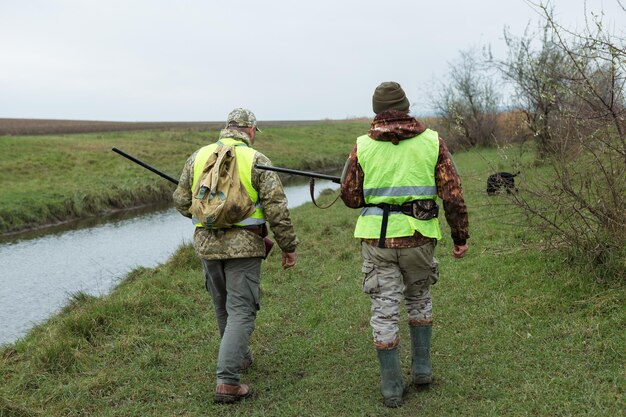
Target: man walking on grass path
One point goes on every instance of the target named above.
(231, 257)
(395, 173)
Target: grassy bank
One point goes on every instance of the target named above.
(517, 333)
(48, 179)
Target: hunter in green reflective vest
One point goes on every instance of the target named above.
(245, 157)
(397, 174)
(399, 162)
(231, 257)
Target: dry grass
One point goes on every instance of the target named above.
(512, 126)
(46, 126)
(13, 127)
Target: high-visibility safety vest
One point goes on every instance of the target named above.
(397, 174)
(245, 158)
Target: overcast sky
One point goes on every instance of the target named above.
(195, 60)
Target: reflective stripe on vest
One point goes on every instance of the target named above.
(396, 174)
(245, 159)
(427, 190)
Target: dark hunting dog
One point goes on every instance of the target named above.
(501, 181)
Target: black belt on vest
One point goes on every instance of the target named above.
(414, 209)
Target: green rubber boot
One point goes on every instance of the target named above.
(391, 385)
(421, 367)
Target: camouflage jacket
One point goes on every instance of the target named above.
(394, 126)
(238, 242)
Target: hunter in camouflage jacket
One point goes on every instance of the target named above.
(394, 126)
(237, 242)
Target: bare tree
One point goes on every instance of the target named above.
(538, 78)
(468, 105)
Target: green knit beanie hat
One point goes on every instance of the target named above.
(389, 95)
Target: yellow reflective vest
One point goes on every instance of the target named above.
(397, 174)
(245, 159)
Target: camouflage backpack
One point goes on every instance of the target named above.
(219, 198)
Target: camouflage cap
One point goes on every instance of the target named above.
(242, 117)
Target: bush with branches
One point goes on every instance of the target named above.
(572, 93)
(468, 106)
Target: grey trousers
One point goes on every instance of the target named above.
(234, 288)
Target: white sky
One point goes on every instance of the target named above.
(195, 60)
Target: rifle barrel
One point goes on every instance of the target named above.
(143, 164)
(332, 178)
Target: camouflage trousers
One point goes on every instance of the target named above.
(394, 275)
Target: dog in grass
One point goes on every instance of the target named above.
(501, 181)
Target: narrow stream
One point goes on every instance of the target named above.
(39, 273)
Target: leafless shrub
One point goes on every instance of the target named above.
(573, 89)
(468, 106)
(538, 82)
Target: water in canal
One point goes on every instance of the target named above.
(39, 273)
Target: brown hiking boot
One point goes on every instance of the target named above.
(226, 393)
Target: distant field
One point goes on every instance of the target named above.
(14, 127)
(57, 177)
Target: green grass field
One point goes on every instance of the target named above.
(54, 178)
(518, 331)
